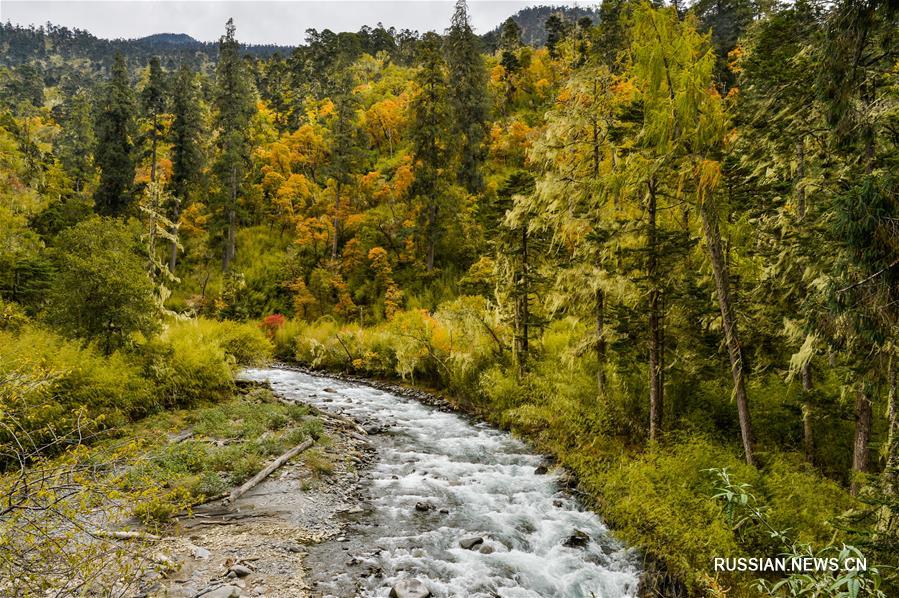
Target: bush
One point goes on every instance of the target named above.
(102, 291)
(54, 386)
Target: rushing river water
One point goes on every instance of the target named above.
(479, 482)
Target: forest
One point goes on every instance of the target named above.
(659, 242)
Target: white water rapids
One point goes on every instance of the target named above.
(486, 481)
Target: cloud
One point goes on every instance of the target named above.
(274, 22)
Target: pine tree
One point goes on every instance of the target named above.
(234, 107)
(469, 97)
(115, 131)
(76, 147)
(344, 149)
(432, 146)
(187, 151)
(153, 101)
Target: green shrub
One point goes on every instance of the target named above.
(54, 386)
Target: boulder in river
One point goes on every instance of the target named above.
(423, 506)
(409, 588)
(471, 543)
(541, 470)
(578, 539)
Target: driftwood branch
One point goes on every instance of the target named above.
(256, 479)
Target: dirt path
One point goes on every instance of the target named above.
(257, 547)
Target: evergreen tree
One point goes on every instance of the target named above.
(344, 149)
(153, 101)
(234, 107)
(432, 145)
(556, 31)
(115, 131)
(187, 150)
(469, 97)
(76, 146)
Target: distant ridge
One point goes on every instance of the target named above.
(532, 20)
(174, 39)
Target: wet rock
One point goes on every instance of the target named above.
(444, 511)
(409, 588)
(486, 549)
(373, 429)
(558, 503)
(578, 539)
(328, 389)
(471, 543)
(240, 570)
(228, 591)
(423, 506)
(541, 470)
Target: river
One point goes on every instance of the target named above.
(439, 478)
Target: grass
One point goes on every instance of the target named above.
(231, 442)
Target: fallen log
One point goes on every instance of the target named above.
(122, 535)
(256, 479)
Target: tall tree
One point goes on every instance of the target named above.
(684, 120)
(153, 101)
(115, 131)
(469, 97)
(859, 51)
(187, 150)
(344, 147)
(76, 147)
(234, 107)
(432, 145)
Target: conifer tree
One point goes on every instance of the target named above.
(115, 131)
(187, 151)
(469, 97)
(432, 145)
(344, 149)
(234, 104)
(76, 147)
(153, 99)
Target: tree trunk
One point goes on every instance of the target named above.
(600, 343)
(862, 438)
(891, 470)
(173, 249)
(712, 235)
(231, 234)
(336, 238)
(521, 305)
(153, 161)
(432, 233)
(655, 370)
(808, 438)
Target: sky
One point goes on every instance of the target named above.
(258, 22)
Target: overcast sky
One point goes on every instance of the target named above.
(262, 21)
